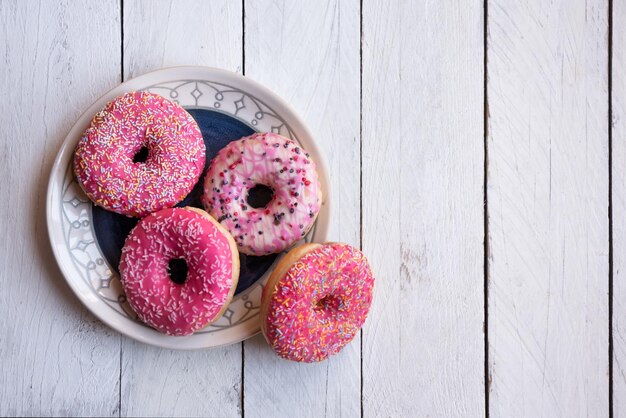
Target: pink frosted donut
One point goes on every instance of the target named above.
(206, 278)
(316, 300)
(109, 158)
(269, 160)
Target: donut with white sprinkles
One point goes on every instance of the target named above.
(179, 269)
(140, 154)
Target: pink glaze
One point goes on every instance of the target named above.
(320, 304)
(103, 161)
(274, 161)
(178, 309)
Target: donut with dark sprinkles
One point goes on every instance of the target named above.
(278, 164)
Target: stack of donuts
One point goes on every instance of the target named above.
(142, 154)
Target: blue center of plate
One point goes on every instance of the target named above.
(218, 129)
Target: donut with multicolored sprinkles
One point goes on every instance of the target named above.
(316, 300)
(277, 163)
(140, 154)
(206, 261)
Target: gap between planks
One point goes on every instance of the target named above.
(361, 181)
(486, 207)
(610, 196)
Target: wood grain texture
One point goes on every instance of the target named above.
(308, 53)
(422, 200)
(422, 207)
(159, 382)
(57, 58)
(160, 34)
(619, 208)
(548, 208)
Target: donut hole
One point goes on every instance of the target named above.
(141, 156)
(177, 270)
(259, 196)
(328, 303)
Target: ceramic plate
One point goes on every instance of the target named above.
(87, 240)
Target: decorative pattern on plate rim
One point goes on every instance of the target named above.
(76, 208)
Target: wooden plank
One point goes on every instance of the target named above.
(181, 32)
(308, 53)
(423, 351)
(619, 208)
(158, 382)
(548, 208)
(55, 357)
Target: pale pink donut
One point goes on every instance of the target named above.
(213, 270)
(103, 160)
(316, 300)
(273, 161)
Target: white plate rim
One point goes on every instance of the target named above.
(86, 294)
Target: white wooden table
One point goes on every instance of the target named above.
(478, 157)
